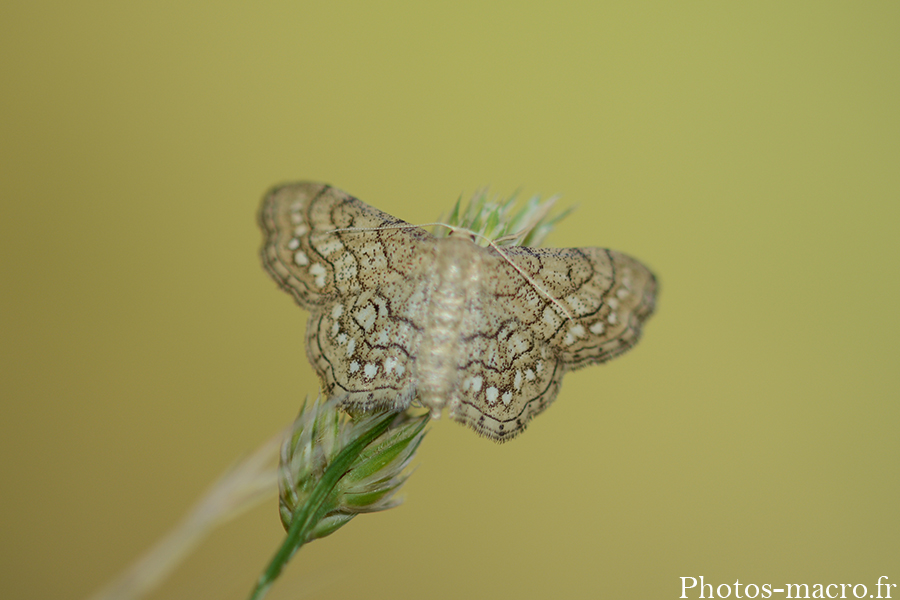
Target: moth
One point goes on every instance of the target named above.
(398, 315)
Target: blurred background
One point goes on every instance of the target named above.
(748, 152)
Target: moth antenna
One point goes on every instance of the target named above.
(406, 226)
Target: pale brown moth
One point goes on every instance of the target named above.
(397, 314)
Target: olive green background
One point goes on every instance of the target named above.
(748, 152)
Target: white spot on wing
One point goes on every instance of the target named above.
(337, 311)
(598, 328)
(293, 244)
(365, 316)
(370, 370)
(491, 394)
(300, 258)
(319, 272)
(354, 367)
(507, 398)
